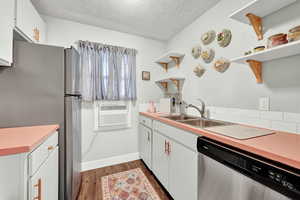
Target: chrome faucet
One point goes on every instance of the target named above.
(201, 111)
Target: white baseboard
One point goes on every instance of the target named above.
(85, 166)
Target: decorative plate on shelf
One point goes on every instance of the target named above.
(196, 51)
(208, 37)
(224, 38)
(208, 55)
(199, 71)
(221, 65)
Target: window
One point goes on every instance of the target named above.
(108, 72)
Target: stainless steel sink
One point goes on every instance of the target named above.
(181, 117)
(197, 121)
(204, 123)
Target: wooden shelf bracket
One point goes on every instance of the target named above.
(256, 67)
(164, 85)
(257, 25)
(176, 60)
(176, 83)
(164, 65)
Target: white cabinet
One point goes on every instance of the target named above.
(183, 172)
(29, 23)
(6, 31)
(174, 157)
(160, 159)
(30, 175)
(44, 183)
(145, 144)
(176, 167)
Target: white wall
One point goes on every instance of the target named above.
(237, 87)
(115, 143)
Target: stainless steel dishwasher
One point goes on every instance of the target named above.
(227, 173)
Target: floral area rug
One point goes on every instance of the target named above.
(128, 185)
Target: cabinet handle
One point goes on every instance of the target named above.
(36, 34)
(39, 186)
(166, 147)
(169, 148)
(50, 148)
(148, 136)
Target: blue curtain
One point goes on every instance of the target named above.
(108, 72)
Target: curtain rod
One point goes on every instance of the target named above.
(78, 41)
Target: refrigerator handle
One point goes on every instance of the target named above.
(79, 96)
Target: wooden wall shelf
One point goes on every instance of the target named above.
(286, 50)
(254, 12)
(169, 58)
(165, 84)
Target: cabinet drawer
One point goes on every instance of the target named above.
(145, 121)
(41, 153)
(186, 138)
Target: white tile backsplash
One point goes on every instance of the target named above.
(262, 123)
(271, 115)
(248, 113)
(291, 117)
(288, 122)
(298, 128)
(284, 126)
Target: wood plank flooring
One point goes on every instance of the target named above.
(91, 180)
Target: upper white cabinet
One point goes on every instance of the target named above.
(6, 32)
(29, 23)
(19, 15)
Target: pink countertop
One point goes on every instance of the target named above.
(281, 147)
(23, 139)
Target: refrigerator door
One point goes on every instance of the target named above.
(72, 71)
(73, 147)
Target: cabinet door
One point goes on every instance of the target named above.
(6, 32)
(183, 172)
(28, 21)
(43, 185)
(145, 137)
(160, 159)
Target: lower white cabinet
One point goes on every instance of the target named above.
(174, 157)
(145, 144)
(32, 175)
(43, 185)
(160, 159)
(183, 172)
(176, 167)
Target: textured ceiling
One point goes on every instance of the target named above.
(157, 19)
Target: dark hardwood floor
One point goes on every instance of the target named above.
(91, 180)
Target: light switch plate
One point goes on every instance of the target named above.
(264, 103)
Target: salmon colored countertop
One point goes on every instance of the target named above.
(281, 147)
(23, 139)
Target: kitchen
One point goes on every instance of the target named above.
(181, 57)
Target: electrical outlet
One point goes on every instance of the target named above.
(264, 103)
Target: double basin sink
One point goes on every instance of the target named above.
(196, 121)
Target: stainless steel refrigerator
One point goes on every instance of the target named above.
(42, 88)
